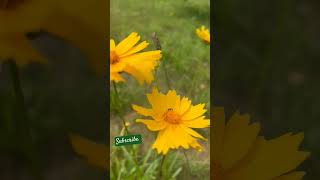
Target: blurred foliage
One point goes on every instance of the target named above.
(63, 96)
(266, 63)
(124, 165)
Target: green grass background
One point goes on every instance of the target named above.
(185, 56)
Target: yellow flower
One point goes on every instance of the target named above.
(204, 34)
(23, 15)
(174, 118)
(240, 154)
(16, 19)
(81, 23)
(125, 57)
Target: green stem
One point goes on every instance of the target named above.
(120, 113)
(136, 161)
(187, 160)
(23, 126)
(119, 109)
(161, 166)
(157, 44)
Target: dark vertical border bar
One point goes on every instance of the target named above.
(107, 80)
(212, 60)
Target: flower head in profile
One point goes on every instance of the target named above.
(126, 57)
(59, 18)
(174, 118)
(16, 19)
(204, 34)
(240, 154)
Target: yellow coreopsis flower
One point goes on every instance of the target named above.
(23, 16)
(204, 34)
(174, 118)
(126, 57)
(16, 19)
(82, 24)
(240, 154)
(79, 22)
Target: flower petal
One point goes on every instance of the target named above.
(135, 49)
(194, 112)
(238, 138)
(116, 77)
(153, 125)
(160, 143)
(118, 67)
(157, 101)
(149, 57)
(185, 104)
(141, 77)
(174, 137)
(297, 175)
(271, 159)
(112, 45)
(95, 154)
(193, 133)
(172, 100)
(126, 44)
(200, 122)
(142, 111)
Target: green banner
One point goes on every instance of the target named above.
(127, 140)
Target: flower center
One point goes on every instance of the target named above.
(172, 117)
(10, 4)
(218, 171)
(114, 58)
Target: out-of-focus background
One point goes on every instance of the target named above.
(185, 56)
(62, 97)
(266, 63)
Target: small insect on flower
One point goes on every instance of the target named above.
(204, 34)
(126, 57)
(174, 118)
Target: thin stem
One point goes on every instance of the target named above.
(161, 166)
(187, 160)
(157, 44)
(119, 110)
(136, 161)
(23, 126)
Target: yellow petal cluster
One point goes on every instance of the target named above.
(78, 22)
(16, 19)
(240, 154)
(81, 23)
(126, 57)
(174, 118)
(204, 34)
